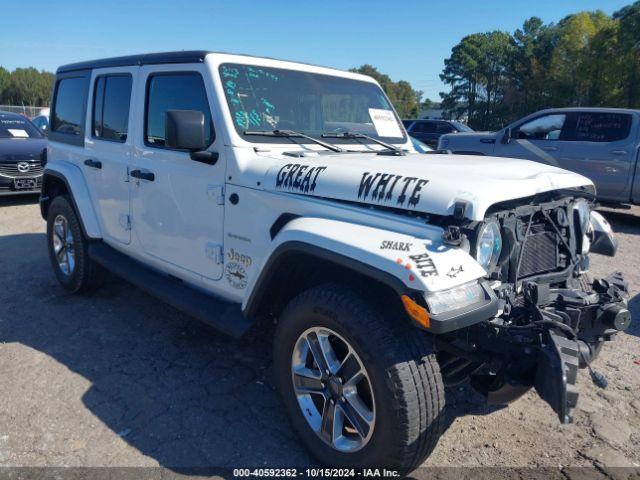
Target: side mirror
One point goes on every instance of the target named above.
(184, 130)
(506, 138)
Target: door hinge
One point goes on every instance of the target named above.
(214, 252)
(216, 192)
(125, 221)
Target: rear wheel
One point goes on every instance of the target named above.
(361, 388)
(68, 248)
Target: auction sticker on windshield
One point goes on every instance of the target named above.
(384, 121)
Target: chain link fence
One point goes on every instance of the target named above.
(27, 111)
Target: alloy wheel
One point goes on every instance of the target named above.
(63, 245)
(333, 389)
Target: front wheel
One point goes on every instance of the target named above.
(361, 389)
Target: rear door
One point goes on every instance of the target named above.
(602, 146)
(109, 148)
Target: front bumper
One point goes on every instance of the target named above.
(577, 322)
(8, 185)
(541, 341)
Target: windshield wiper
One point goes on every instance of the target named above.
(292, 133)
(354, 135)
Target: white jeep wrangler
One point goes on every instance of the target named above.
(239, 188)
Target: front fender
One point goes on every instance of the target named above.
(76, 185)
(402, 261)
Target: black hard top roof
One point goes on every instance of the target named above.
(188, 56)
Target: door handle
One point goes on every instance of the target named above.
(550, 148)
(93, 163)
(618, 152)
(142, 175)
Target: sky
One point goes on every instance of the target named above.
(408, 40)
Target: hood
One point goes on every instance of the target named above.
(14, 149)
(422, 183)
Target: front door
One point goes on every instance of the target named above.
(109, 148)
(537, 139)
(177, 202)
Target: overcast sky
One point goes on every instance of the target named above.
(406, 39)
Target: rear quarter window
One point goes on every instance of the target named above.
(599, 127)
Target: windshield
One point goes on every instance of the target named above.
(462, 127)
(267, 99)
(14, 126)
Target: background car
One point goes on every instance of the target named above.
(602, 144)
(429, 131)
(420, 146)
(42, 122)
(22, 146)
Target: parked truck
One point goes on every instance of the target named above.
(600, 143)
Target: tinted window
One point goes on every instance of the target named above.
(69, 106)
(424, 127)
(175, 91)
(444, 127)
(15, 126)
(600, 127)
(111, 107)
(547, 127)
(407, 123)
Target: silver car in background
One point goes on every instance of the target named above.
(599, 143)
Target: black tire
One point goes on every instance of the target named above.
(85, 274)
(401, 364)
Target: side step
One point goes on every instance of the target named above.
(224, 316)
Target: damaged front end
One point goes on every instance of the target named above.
(551, 321)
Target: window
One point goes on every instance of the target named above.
(547, 127)
(69, 107)
(600, 127)
(16, 126)
(425, 127)
(111, 101)
(174, 91)
(444, 127)
(265, 99)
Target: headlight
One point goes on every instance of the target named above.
(488, 244)
(455, 298)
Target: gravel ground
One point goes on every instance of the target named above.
(116, 378)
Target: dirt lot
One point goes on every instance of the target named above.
(118, 379)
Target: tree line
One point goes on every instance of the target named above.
(25, 86)
(587, 59)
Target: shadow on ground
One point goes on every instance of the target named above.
(15, 200)
(173, 388)
(622, 221)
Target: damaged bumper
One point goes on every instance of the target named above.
(577, 324)
(540, 342)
